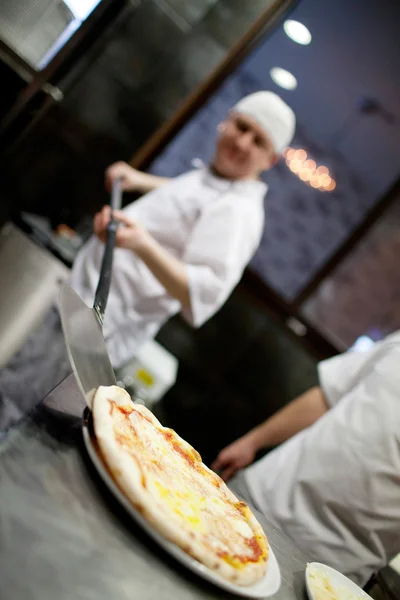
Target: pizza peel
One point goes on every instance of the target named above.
(83, 326)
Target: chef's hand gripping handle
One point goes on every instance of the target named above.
(103, 287)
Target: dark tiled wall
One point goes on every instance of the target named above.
(362, 295)
(234, 372)
(131, 81)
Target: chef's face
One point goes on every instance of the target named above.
(243, 150)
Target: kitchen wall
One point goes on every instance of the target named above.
(133, 79)
(362, 294)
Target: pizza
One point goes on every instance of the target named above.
(167, 482)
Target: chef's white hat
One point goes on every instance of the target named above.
(273, 114)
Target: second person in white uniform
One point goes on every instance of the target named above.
(333, 486)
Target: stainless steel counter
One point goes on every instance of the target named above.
(64, 537)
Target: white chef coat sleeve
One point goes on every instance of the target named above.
(340, 374)
(220, 246)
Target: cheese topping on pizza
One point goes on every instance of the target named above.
(182, 490)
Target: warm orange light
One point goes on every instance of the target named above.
(307, 170)
(326, 182)
(324, 179)
(310, 164)
(331, 186)
(305, 174)
(295, 166)
(300, 155)
(322, 170)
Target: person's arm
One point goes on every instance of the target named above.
(292, 418)
(169, 270)
(296, 416)
(219, 247)
(133, 180)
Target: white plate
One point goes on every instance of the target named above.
(268, 586)
(336, 579)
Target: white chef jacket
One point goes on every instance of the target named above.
(212, 224)
(334, 488)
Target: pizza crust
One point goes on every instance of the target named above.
(132, 471)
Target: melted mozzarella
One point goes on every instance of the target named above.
(179, 482)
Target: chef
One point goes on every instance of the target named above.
(181, 248)
(333, 486)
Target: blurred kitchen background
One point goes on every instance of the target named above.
(88, 82)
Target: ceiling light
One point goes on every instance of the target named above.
(283, 78)
(297, 32)
(305, 174)
(295, 166)
(300, 154)
(306, 169)
(331, 186)
(322, 170)
(290, 153)
(310, 164)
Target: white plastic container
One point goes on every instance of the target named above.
(151, 373)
